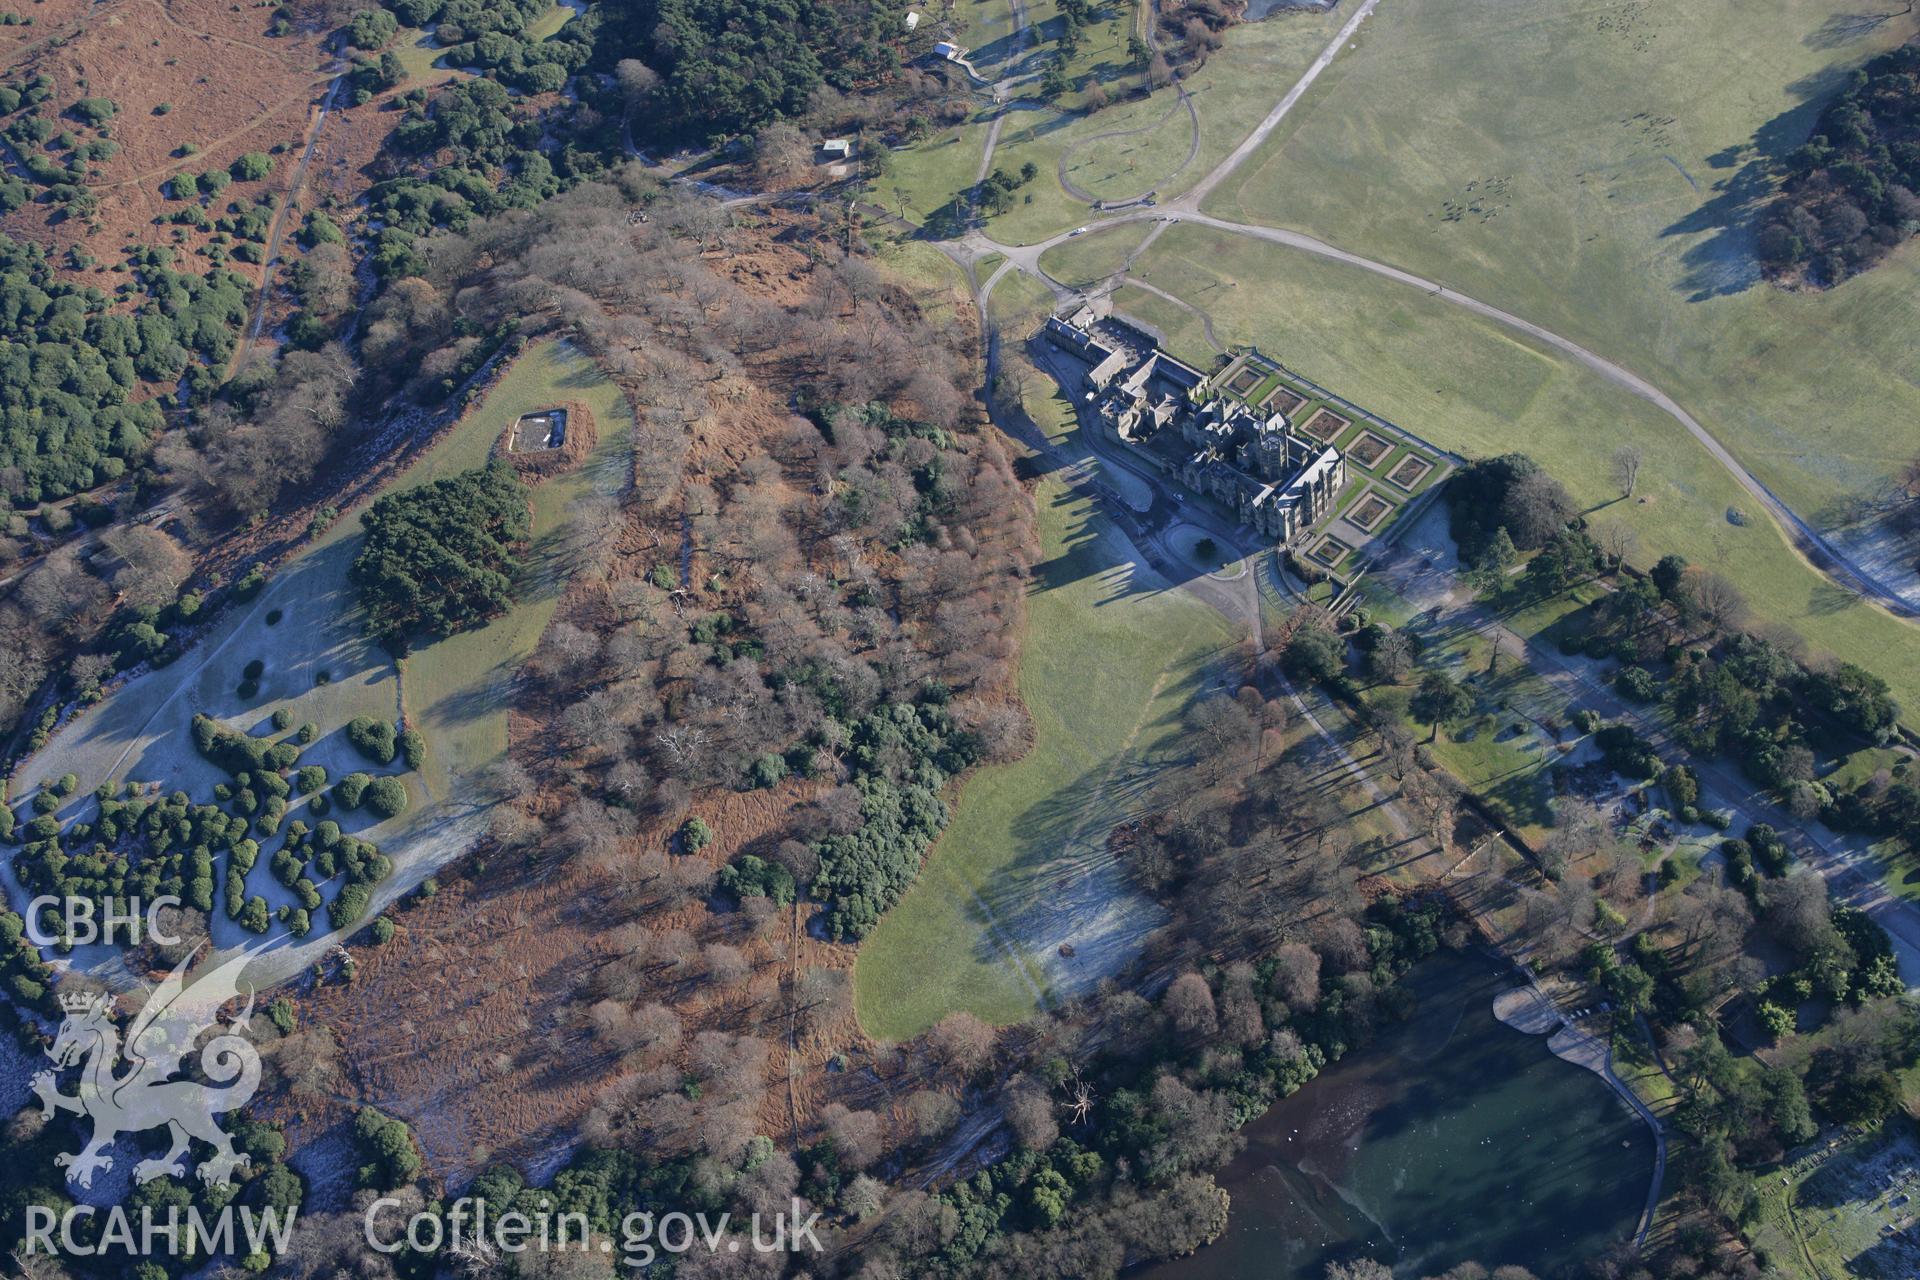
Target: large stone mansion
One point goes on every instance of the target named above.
(1277, 481)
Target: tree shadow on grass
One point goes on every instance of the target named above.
(1724, 263)
(1084, 552)
(1064, 886)
(1842, 29)
(1829, 598)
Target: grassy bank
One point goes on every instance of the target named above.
(1473, 386)
(1110, 659)
(1119, 151)
(1594, 168)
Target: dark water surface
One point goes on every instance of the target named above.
(1450, 1137)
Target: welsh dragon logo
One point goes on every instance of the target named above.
(144, 1096)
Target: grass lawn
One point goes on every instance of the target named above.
(1473, 386)
(457, 688)
(930, 270)
(1231, 94)
(1089, 259)
(1102, 56)
(1019, 305)
(549, 23)
(1591, 166)
(931, 172)
(1185, 337)
(985, 28)
(1634, 1063)
(956, 940)
(1041, 207)
(420, 55)
(1859, 766)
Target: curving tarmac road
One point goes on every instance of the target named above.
(1807, 542)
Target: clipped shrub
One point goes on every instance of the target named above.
(386, 797)
(387, 1144)
(374, 739)
(348, 906)
(1637, 683)
(251, 167)
(1627, 752)
(413, 748)
(95, 111)
(350, 790)
(254, 915)
(249, 586)
(1682, 787)
(235, 752)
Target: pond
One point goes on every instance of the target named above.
(1448, 1138)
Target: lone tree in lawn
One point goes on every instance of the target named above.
(441, 558)
(1438, 701)
(1627, 461)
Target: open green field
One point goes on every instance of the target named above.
(1185, 337)
(1591, 167)
(420, 54)
(977, 931)
(931, 172)
(1090, 259)
(549, 23)
(1231, 94)
(1477, 388)
(1019, 304)
(985, 28)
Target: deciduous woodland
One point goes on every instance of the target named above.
(620, 751)
(1847, 197)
